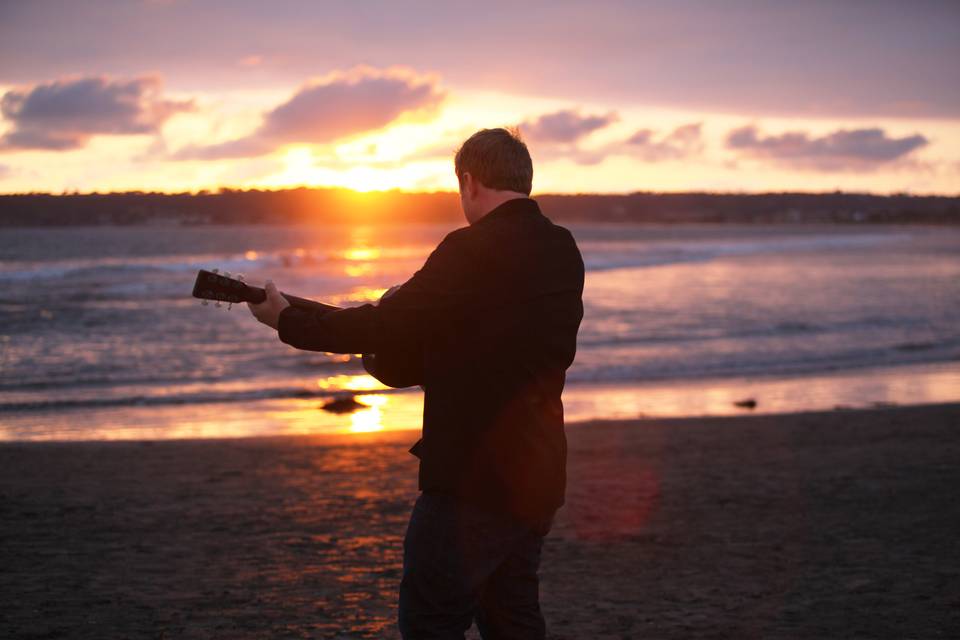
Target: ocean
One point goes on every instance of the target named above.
(101, 339)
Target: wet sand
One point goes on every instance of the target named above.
(842, 524)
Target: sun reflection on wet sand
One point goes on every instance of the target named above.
(371, 418)
(271, 417)
(391, 410)
(363, 382)
(920, 384)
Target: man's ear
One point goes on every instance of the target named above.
(469, 186)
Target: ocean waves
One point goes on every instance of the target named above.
(94, 319)
(167, 396)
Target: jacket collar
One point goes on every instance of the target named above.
(510, 207)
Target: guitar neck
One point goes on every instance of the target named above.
(211, 285)
(258, 295)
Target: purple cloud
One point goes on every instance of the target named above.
(339, 105)
(646, 144)
(65, 114)
(682, 142)
(842, 149)
(565, 127)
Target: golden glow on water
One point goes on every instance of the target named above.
(362, 253)
(358, 271)
(367, 293)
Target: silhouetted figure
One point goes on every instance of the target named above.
(488, 327)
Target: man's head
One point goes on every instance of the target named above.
(492, 166)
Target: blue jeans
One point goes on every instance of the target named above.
(462, 563)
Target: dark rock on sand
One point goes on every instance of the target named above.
(343, 404)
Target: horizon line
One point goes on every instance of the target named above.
(401, 191)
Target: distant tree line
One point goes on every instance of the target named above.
(341, 206)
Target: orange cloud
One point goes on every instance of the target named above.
(336, 106)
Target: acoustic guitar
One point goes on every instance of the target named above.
(398, 366)
(222, 287)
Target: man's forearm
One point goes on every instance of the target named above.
(348, 330)
(399, 319)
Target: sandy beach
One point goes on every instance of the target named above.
(840, 524)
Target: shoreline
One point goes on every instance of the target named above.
(400, 410)
(323, 438)
(815, 524)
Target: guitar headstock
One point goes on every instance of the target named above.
(222, 287)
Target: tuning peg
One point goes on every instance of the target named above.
(214, 270)
(226, 273)
(218, 304)
(240, 277)
(229, 306)
(204, 302)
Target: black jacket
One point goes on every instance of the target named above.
(488, 326)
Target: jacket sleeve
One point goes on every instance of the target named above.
(401, 365)
(399, 320)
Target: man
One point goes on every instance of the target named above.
(488, 327)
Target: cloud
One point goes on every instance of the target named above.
(336, 106)
(65, 114)
(5, 171)
(557, 136)
(740, 57)
(842, 149)
(683, 142)
(564, 127)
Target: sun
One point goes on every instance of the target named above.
(383, 161)
(299, 168)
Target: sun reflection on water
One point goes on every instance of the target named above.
(367, 293)
(358, 254)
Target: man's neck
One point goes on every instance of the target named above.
(496, 199)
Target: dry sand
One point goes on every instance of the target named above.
(843, 524)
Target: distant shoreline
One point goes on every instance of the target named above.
(340, 206)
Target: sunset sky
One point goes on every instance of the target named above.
(610, 96)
